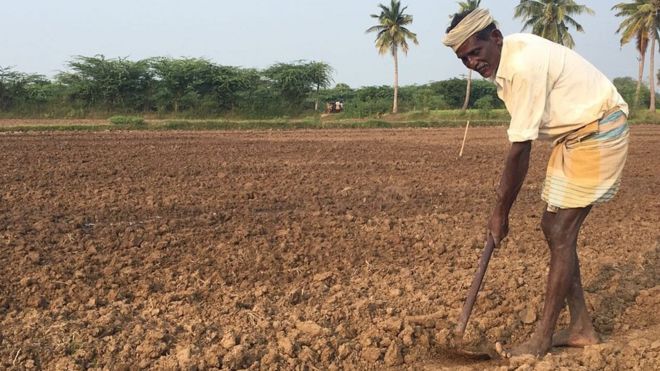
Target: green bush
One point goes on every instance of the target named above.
(484, 103)
(643, 116)
(127, 120)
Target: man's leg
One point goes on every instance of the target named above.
(561, 230)
(580, 331)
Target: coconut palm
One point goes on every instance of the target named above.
(465, 6)
(392, 35)
(640, 22)
(551, 18)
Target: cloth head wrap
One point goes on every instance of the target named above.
(474, 22)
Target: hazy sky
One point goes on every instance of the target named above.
(39, 36)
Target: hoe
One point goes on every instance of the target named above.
(483, 349)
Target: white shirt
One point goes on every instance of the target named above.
(549, 89)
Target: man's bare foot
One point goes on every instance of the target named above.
(533, 346)
(574, 338)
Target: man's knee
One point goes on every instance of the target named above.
(557, 232)
(551, 230)
(561, 228)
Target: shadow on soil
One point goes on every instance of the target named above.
(622, 285)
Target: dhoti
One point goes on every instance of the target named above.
(585, 166)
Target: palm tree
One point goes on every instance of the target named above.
(641, 22)
(634, 26)
(391, 35)
(551, 18)
(465, 6)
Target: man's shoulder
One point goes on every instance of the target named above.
(523, 53)
(521, 41)
(532, 43)
(520, 36)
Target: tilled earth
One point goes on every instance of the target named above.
(300, 250)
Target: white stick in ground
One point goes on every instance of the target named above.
(464, 137)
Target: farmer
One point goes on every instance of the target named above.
(551, 93)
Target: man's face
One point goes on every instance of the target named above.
(482, 56)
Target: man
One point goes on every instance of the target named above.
(551, 93)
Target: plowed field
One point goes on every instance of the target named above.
(302, 250)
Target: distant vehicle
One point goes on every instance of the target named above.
(334, 107)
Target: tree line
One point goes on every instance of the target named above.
(97, 85)
(197, 87)
(190, 87)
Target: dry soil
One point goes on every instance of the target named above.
(300, 250)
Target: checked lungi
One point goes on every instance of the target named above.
(585, 166)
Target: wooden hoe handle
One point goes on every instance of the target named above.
(476, 284)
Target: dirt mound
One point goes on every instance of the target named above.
(299, 250)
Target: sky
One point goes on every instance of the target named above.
(40, 36)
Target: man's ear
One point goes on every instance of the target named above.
(497, 36)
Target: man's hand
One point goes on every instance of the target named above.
(498, 227)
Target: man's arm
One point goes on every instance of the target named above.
(513, 176)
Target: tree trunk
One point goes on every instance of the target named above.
(467, 90)
(652, 72)
(395, 105)
(640, 76)
(316, 104)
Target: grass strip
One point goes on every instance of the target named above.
(305, 124)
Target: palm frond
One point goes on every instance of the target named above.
(551, 19)
(391, 33)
